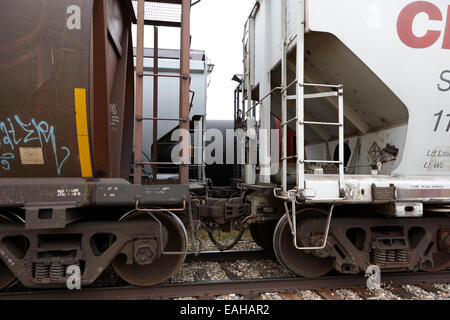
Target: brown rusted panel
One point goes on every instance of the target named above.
(52, 48)
(75, 238)
(101, 100)
(128, 117)
(383, 194)
(185, 81)
(44, 56)
(113, 97)
(119, 36)
(139, 105)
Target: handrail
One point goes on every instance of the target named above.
(267, 95)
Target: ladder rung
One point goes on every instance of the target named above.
(321, 95)
(322, 123)
(291, 97)
(322, 161)
(338, 86)
(182, 76)
(160, 119)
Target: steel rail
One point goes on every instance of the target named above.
(233, 255)
(217, 288)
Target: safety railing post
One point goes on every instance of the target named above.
(300, 106)
(284, 124)
(185, 51)
(341, 136)
(139, 93)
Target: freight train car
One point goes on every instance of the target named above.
(355, 93)
(67, 125)
(360, 94)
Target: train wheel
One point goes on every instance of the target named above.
(6, 276)
(262, 234)
(165, 266)
(297, 261)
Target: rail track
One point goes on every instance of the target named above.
(219, 256)
(211, 289)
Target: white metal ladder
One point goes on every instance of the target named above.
(248, 106)
(300, 97)
(301, 124)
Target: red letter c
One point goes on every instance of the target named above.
(405, 24)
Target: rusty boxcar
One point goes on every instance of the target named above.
(67, 124)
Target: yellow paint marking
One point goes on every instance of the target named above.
(83, 133)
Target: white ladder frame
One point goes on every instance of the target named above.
(338, 91)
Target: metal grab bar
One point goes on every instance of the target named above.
(289, 85)
(294, 231)
(289, 121)
(270, 93)
(293, 221)
(264, 98)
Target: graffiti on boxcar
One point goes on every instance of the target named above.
(15, 133)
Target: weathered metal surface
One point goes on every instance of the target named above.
(112, 83)
(49, 193)
(75, 239)
(139, 100)
(100, 112)
(44, 56)
(120, 88)
(356, 243)
(65, 89)
(161, 195)
(51, 216)
(6, 276)
(383, 194)
(185, 50)
(358, 188)
(20, 192)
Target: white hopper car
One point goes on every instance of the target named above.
(360, 92)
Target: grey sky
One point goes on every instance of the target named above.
(217, 27)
